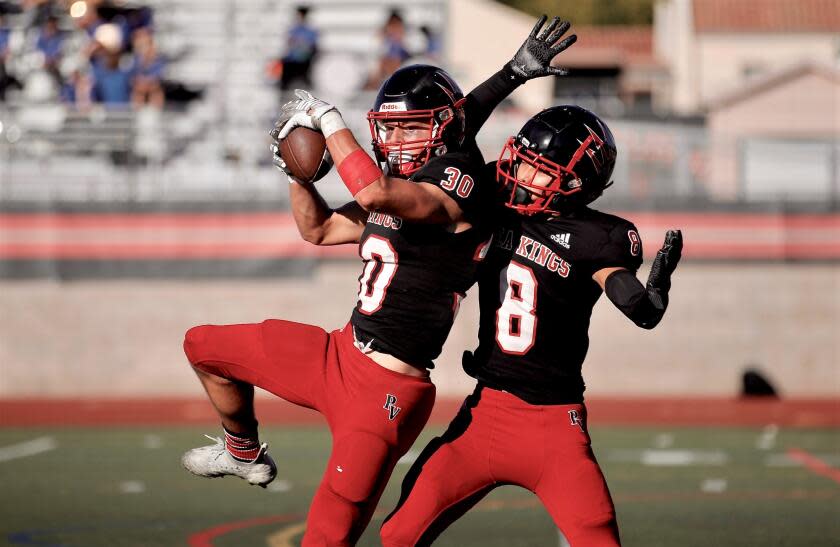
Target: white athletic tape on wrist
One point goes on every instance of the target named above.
(332, 122)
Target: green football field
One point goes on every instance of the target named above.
(672, 486)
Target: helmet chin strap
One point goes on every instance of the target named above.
(397, 159)
(521, 196)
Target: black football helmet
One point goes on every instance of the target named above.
(421, 93)
(570, 144)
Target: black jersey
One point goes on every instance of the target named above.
(416, 274)
(536, 296)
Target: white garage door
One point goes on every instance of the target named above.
(790, 170)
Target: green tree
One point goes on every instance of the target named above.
(591, 12)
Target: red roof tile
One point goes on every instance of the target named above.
(767, 15)
(609, 45)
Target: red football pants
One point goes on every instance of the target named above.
(374, 414)
(498, 439)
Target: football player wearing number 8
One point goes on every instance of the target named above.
(525, 424)
(421, 226)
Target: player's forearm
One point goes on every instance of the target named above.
(370, 187)
(645, 306)
(482, 100)
(411, 201)
(310, 211)
(341, 144)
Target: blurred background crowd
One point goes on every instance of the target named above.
(95, 51)
(80, 53)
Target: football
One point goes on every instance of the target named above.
(305, 153)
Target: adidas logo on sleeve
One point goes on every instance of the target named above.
(562, 239)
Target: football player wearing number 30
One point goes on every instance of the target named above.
(525, 424)
(422, 229)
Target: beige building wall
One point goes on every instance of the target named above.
(675, 43)
(725, 61)
(706, 65)
(807, 107)
(482, 36)
(804, 106)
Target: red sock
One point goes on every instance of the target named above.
(244, 447)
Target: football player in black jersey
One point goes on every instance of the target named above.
(551, 259)
(422, 229)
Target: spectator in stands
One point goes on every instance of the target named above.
(76, 83)
(111, 82)
(393, 52)
(147, 72)
(88, 21)
(433, 45)
(50, 40)
(139, 18)
(301, 49)
(5, 55)
(37, 12)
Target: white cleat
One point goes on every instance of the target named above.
(214, 461)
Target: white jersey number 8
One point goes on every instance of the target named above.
(516, 319)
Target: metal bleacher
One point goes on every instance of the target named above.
(216, 148)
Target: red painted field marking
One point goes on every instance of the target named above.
(205, 538)
(815, 464)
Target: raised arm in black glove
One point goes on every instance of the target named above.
(533, 59)
(667, 258)
(646, 305)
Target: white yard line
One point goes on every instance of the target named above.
(27, 448)
(132, 487)
(409, 457)
(279, 485)
(714, 486)
(666, 458)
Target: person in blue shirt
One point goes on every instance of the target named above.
(50, 41)
(434, 48)
(4, 40)
(111, 83)
(6, 80)
(147, 72)
(301, 49)
(393, 52)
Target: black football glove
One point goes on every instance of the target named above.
(665, 263)
(533, 60)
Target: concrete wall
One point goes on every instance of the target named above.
(124, 338)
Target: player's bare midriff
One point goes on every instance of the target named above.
(390, 362)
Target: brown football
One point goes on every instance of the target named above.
(305, 153)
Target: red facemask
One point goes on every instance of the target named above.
(524, 196)
(406, 157)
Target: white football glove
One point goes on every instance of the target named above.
(280, 163)
(309, 111)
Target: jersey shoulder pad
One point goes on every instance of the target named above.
(623, 245)
(460, 176)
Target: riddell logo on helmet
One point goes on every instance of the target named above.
(393, 107)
